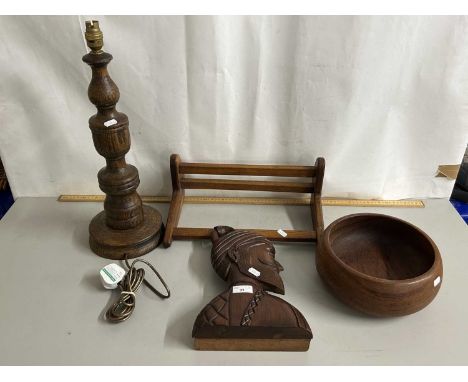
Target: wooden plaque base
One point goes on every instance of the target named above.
(251, 344)
(115, 244)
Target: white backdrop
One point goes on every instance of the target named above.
(383, 99)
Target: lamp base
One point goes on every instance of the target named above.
(115, 244)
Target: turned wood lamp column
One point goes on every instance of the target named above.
(126, 226)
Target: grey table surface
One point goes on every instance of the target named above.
(52, 302)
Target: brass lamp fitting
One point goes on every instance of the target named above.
(94, 37)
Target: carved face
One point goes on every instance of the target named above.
(253, 255)
(258, 262)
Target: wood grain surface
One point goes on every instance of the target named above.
(380, 265)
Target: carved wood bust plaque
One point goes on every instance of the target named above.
(246, 316)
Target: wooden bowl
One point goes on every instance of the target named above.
(380, 265)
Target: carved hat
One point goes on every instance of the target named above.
(254, 256)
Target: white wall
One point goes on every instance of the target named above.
(383, 99)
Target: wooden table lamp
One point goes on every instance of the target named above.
(126, 226)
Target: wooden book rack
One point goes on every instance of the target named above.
(180, 182)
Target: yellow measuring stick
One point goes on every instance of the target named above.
(260, 201)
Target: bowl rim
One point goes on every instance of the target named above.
(422, 277)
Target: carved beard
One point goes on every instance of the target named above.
(269, 274)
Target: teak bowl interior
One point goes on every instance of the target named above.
(381, 246)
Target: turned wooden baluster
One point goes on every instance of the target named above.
(125, 226)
